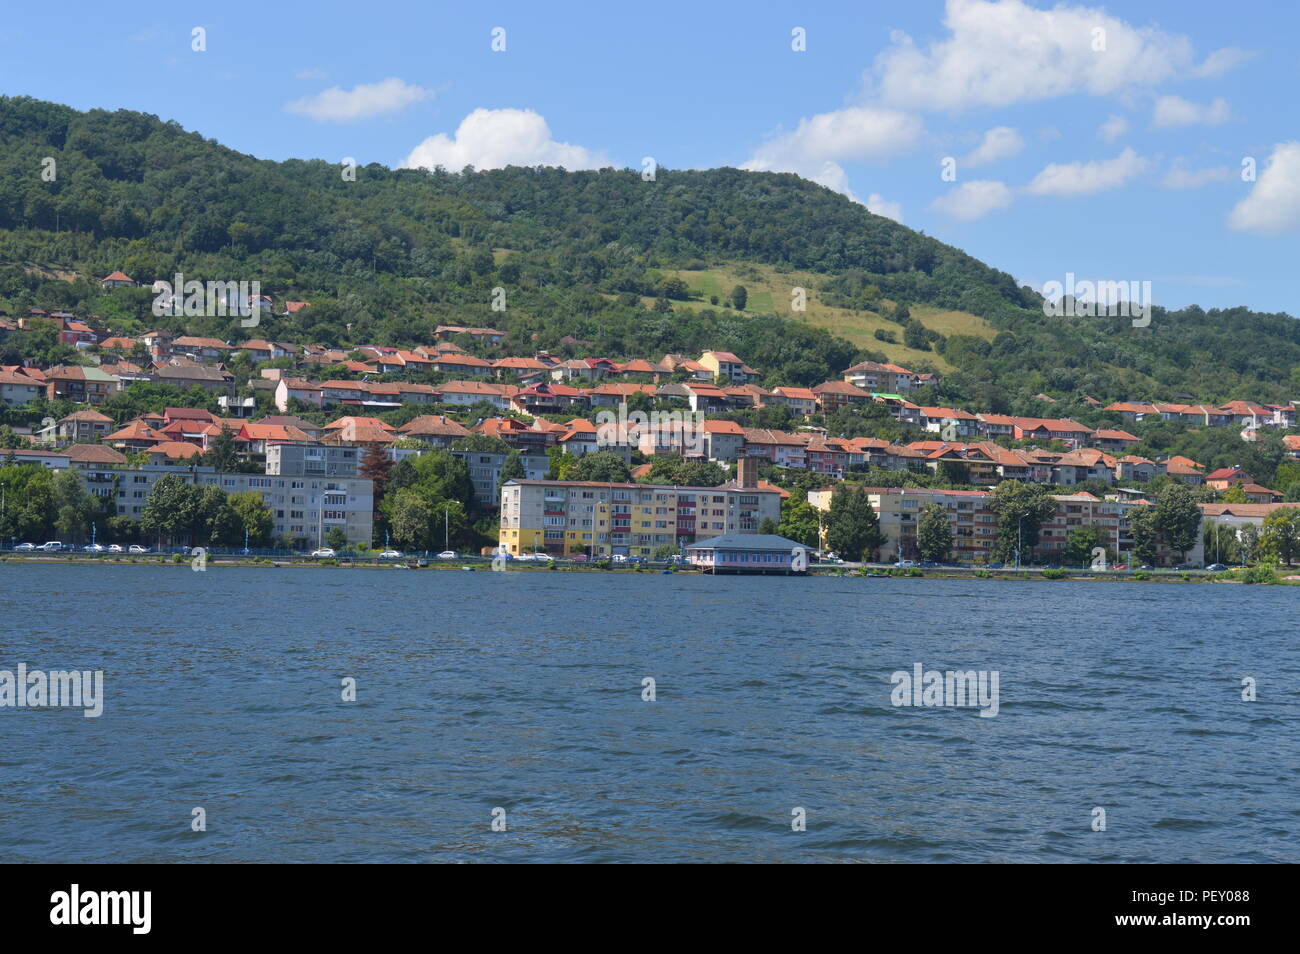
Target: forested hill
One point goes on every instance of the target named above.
(629, 265)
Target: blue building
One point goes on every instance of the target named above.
(760, 553)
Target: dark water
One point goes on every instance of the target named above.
(523, 691)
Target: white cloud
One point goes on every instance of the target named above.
(1176, 111)
(1085, 178)
(1005, 52)
(494, 138)
(1113, 128)
(1000, 142)
(973, 200)
(816, 147)
(1180, 177)
(1220, 61)
(1273, 205)
(881, 206)
(361, 102)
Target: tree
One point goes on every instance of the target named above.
(1221, 544)
(171, 510)
(1234, 494)
(1021, 510)
(740, 297)
(852, 527)
(412, 520)
(1177, 518)
(1250, 543)
(512, 468)
(376, 466)
(217, 523)
(934, 534)
(254, 517)
(1280, 537)
(74, 508)
(29, 504)
(10, 438)
(672, 469)
(1079, 544)
(914, 336)
(601, 466)
(800, 521)
(954, 472)
(222, 453)
(1146, 535)
(336, 539)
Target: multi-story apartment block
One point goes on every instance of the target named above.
(303, 508)
(974, 524)
(485, 471)
(311, 460)
(874, 376)
(567, 518)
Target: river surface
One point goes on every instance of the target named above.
(523, 691)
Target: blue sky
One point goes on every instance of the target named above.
(1114, 155)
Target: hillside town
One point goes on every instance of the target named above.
(298, 428)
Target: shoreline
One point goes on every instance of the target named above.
(1034, 574)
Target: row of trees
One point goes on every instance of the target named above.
(179, 512)
(38, 504)
(1276, 541)
(852, 527)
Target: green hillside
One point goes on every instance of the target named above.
(628, 265)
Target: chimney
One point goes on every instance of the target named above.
(747, 471)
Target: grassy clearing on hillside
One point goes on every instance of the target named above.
(952, 322)
(770, 292)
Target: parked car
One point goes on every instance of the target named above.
(25, 547)
(928, 564)
(115, 548)
(905, 564)
(582, 558)
(636, 559)
(94, 548)
(326, 552)
(994, 566)
(447, 555)
(618, 558)
(1216, 568)
(137, 548)
(52, 546)
(391, 555)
